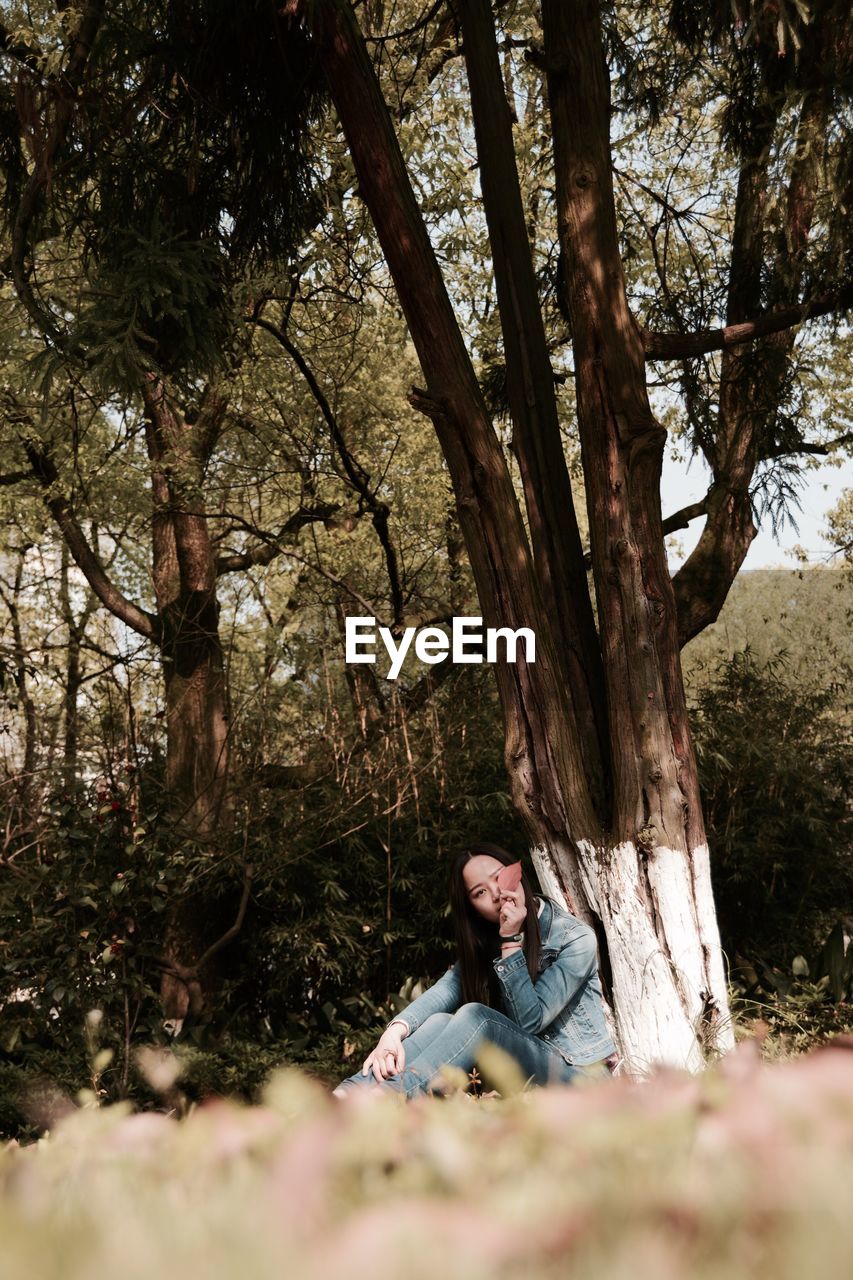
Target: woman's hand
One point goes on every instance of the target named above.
(513, 911)
(389, 1056)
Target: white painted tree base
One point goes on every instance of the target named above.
(670, 1002)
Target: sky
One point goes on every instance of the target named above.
(684, 482)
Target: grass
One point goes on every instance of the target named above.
(745, 1172)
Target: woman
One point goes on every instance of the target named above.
(525, 980)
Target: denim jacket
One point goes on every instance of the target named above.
(563, 1005)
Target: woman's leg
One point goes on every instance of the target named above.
(414, 1044)
(460, 1040)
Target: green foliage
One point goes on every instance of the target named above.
(187, 159)
(788, 1015)
(805, 613)
(79, 922)
(840, 525)
(185, 201)
(152, 301)
(771, 53)
(346, 905)
(774, 769)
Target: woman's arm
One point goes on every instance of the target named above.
(389, 1056)
(535, 1005)
(444, 996)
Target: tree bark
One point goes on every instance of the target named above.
(76, 629)
(197, 707)
(556, 543)
(26, 779)
(542, 741)
(652, 886)
(184, 576)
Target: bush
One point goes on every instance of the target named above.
(348, 902)
(774, 769)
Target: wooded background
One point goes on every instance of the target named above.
(227, 236)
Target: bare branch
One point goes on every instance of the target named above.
(145, 624)
(684, 346)
(420, 694)
(370, 609)
(819, 450)
(273, 544)
(681, 519)
(678, 520)
(230, 934)
(355, 473)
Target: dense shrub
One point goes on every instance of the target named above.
(774, 761)
(348, 903)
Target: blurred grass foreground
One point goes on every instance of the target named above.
(745, 1171)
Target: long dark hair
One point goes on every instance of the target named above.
(478, 941)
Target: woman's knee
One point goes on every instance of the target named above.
(435, 1022)
(472, 1012)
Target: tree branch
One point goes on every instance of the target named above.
(684, 346)
(357, 476)
(188, 974)
(272, 544)
(369, 608)
(681, 519)
(208, 424)
(820, 450)
(144, 624)
(419, 695)
(678, 520)
(230, 934)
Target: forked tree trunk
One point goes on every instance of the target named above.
(752, 377)
(555, 538)
(645, 880)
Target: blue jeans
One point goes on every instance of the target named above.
(454, 1039)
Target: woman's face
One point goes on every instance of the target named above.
(480, 876)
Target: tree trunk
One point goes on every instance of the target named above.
(556, 543)
(26, 779)
(184, 575)
(185, 626)
(542, 742)
(197, 710)
(73, 670)
(645, 882)
(653, 882)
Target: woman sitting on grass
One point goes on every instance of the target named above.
(525, 980)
